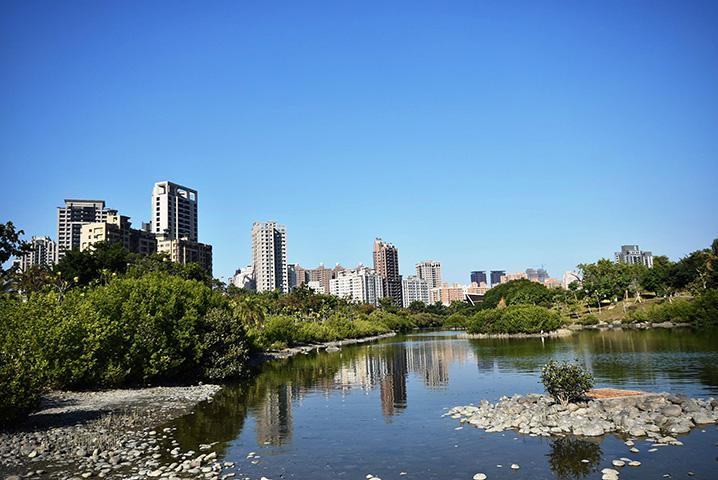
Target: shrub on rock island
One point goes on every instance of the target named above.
(566, 382)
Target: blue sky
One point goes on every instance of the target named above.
(486, 135)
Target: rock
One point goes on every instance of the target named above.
(515, 466)
(635, 450)
(700, 418)
(672, 411)
(618, 463)
(155, 473)
(480, 476)
(634, 463)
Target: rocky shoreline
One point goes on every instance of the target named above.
(657, 416)
(561, 332)
(111, 433)
(102, 434)
(619, 325)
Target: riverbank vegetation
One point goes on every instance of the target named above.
(106, 318)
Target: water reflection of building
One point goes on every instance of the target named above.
(274, 418)
(390, 367)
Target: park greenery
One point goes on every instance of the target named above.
(105, 317)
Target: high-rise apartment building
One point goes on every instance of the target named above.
(174, 211)
(322, 275)
(244, 278)
(446, 294)
(478, 277)
(430, 271)
(269, 256)
(414, 289)
(633, 255)
(185, 251)
(386, 265)
(118, 229)
(361, 285)
(297, 275)
(43, 252)
(496, 276)
(72, 217)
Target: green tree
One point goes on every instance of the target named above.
(519, 292)
(658, 279)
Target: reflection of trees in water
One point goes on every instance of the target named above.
(385, 366)
(616, 357)
(270, 394)
(566, 455)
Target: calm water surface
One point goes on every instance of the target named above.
(376, 408)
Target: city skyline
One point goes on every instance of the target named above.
(557, 149)
(287, 259)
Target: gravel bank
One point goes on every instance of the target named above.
(102, 434)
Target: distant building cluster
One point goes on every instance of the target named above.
(83, 223)
(173, 230)
(632, 255)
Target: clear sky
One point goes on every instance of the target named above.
(486, 135)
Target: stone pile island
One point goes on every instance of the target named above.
(657, 416)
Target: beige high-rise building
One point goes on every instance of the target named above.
(72, 217)
(446, 294)
(386, 265)
(185, 251)
(118, 229)
(322, 276)
(429, 270)
(269, 256)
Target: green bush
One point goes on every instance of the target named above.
(225, 346)
(455, 320)
(566, 382)
(519, 292)
(21, 366)
(426, 320)
(678, 311)
(514, 319)
(392, 321)
(589, 319)
(706, 309)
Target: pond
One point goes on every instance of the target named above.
(377, 408)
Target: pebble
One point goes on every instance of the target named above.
(480, 476)
(618, 463)
(634, 463)
(515, 466)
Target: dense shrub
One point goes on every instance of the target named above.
(519, 292)
(514, 319)
(426, 320)
(455, 320)
(589, 319)
(226, 348)
(392, 321)
(706, 309)
(21, 366)
(566, 382)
